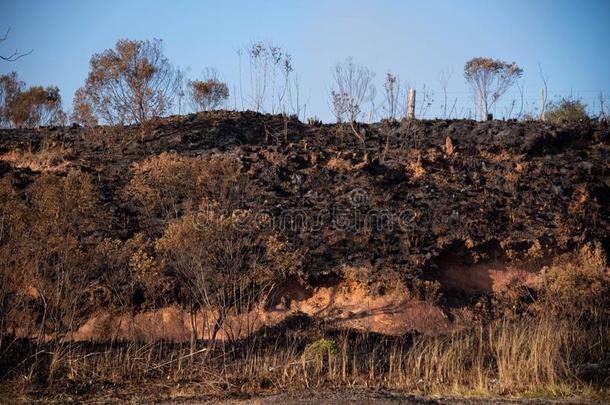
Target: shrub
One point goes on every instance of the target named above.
(36, 106)
(164, 186)
(567, 110)
(318, 349)
(49, 246)
(579, 288)
(216, 260)
(207, 95)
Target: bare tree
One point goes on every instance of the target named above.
(270, 69)
(259, 59)
(522, 98)
(129, 84)
(392, 90)
(281, 63)
(354, 87)
(298, 106)
(489, 80)
(16, 54)
(241, 90)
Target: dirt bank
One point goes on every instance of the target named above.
(407, 232)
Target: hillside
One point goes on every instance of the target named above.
(218, 225)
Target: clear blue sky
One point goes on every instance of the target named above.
(416, 39)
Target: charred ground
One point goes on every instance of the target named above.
(413, 204)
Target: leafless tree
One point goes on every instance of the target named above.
(393, 93)
(281, 64)
(270, 70)
(522, 98)
(298, 105)
(508, 110)
(489, 80)
(16, 54)
(129, 84)
(180, 94)
(241, 90)
(353, 87)
(259, 59)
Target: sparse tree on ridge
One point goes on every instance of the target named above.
(83, 113)
(129, 84)
(392, 91)
(207, 94)
(36, 106)
(354, 87)
(490, 79)
(10, 87)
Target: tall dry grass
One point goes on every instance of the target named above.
(529, 357)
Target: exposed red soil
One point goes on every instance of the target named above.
(346, 305)
(486, 278)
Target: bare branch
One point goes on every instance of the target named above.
(15, 55)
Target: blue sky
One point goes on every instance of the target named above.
(416, 39)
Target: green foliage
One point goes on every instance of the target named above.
(318, 349)
(567, 110)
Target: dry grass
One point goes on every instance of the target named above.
(47, 159)
(528, 358)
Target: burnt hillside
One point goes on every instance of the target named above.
(311, 202)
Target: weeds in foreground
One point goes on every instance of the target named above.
(530, 358)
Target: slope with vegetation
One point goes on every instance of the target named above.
(473, 256)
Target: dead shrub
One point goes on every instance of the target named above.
(48, 159)
(578, 289)
(165, 186)
(218, 261)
